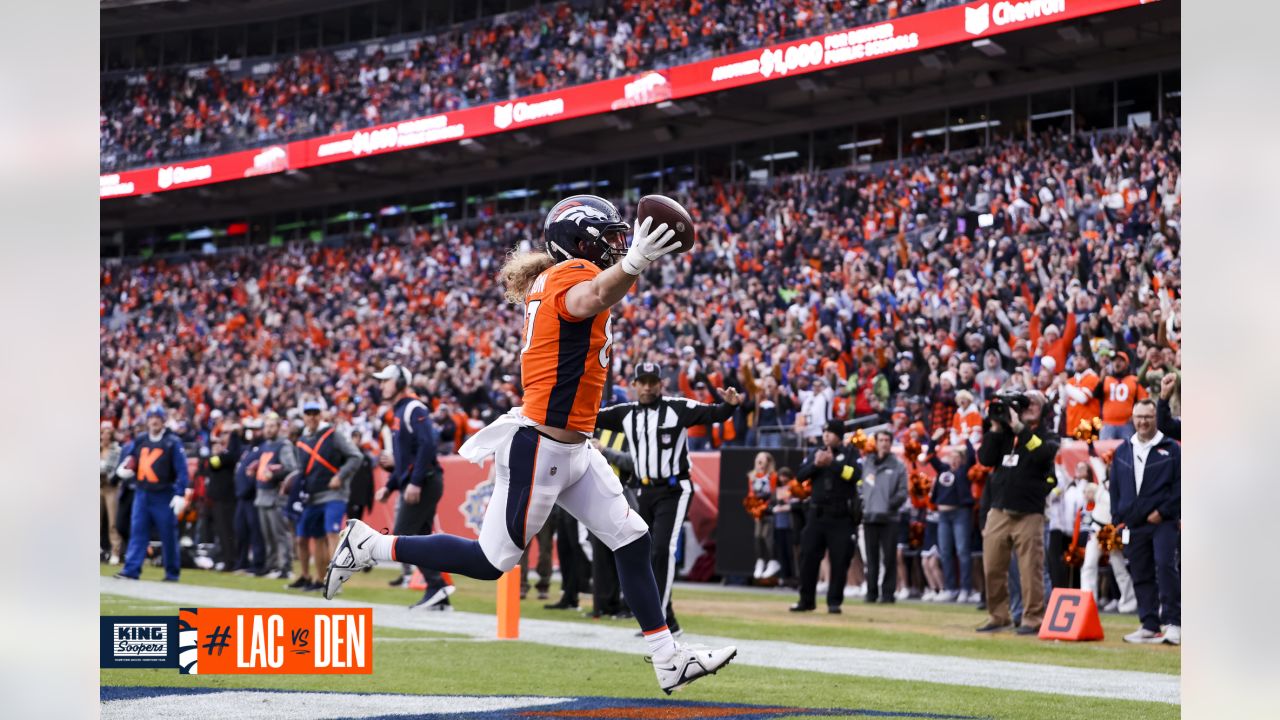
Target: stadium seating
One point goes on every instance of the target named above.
(801, 279)
(171, 113)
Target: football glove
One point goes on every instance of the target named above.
(178, 504)
(648, 245)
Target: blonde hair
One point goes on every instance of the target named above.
(520, 270)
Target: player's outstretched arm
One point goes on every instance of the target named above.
(587, 299)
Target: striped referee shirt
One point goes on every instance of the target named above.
(657, 433)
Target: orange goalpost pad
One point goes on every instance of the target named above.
(509, 605)
(1072, 615)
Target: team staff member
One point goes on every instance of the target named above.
(159, 464)
(656, 427)
(883, 491)
(219, 468)
(833, 516)
(328, 461)
(251, 552)
(415, 472)
(1146, 500)
(1022, 454)
(278, 461)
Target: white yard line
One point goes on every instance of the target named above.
(949, 670)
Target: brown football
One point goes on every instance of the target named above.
(665, 210)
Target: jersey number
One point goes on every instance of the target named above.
(608, 343)
(530, 314)
(1119, 392)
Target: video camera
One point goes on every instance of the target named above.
(999, 406)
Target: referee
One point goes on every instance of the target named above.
(656, 428)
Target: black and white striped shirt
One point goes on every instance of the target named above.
(657, 433)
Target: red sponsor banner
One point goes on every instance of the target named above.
(961, 23)
(191, 173)
(276, 641)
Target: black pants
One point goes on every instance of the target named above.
(418, 519)
(1157, 583)
(782, 552)
(573, 559)
(664, 509)
(1061, 575)
(605, 595)
(826, 530)
(248, 537)
(224, 530)
(124, 513)
(882, 546)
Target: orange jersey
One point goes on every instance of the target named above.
(1079, 411)
(1119, 395)
(564, 360)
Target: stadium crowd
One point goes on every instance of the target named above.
(175, 115)
(833, 295)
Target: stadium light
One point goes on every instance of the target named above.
(988, 47)
(861, 144)
(785, 155)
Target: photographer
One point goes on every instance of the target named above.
(1022, 453)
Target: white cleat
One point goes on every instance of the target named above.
(354, 554)
(689, 663)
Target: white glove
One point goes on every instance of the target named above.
(178, 504)
(124, 472)
(647, 246)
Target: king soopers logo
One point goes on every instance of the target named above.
(140, 640)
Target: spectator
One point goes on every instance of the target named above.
(1117, 393)
(1146, 500)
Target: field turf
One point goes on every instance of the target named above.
(410, 661)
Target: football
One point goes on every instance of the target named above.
(665, 210)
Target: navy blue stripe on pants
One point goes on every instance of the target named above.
(523, 460)
(152, 508)
(1151, 553)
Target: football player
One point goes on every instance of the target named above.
(541, 450)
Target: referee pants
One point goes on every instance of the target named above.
(664, 509)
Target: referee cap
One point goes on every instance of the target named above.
(648, 370)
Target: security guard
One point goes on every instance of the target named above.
(833, 516)
(656, 427)
(607, 599)
(159, 465)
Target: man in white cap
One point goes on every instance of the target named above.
(415, 472)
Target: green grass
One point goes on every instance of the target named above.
(528, 669)
(930, 629)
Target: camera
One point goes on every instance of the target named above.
(1000, 405)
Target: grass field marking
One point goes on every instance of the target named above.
(1002, 675)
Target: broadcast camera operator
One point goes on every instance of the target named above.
(1021, 451)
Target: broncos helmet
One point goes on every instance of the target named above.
(586, 227)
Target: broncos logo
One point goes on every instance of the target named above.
(578, 212)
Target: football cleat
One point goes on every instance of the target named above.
(689, 663)
(433, 598)
(354, 554)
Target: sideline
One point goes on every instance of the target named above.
(943, 669)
